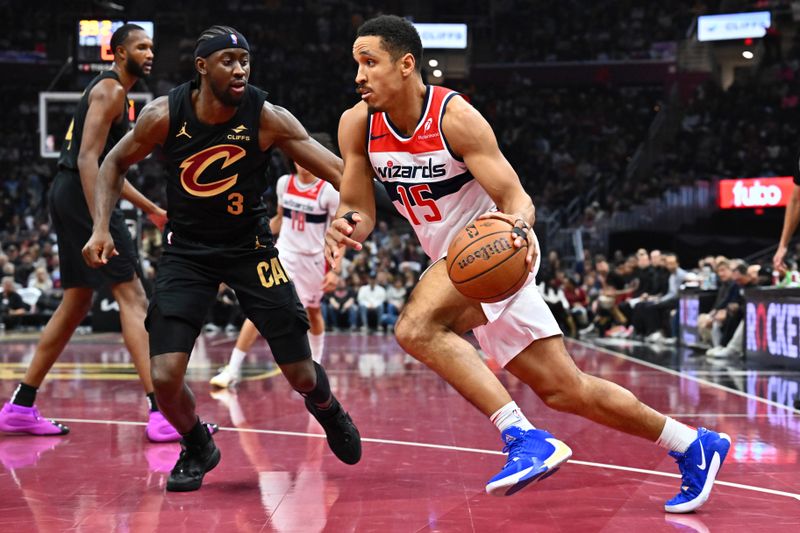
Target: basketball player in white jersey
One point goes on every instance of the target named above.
(306, 205)
(439, 161)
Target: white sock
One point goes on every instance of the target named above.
(510, 415)
(676, 436)
(235, 364)
(317, 343)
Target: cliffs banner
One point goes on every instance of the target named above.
(772, 327)
(755, 192)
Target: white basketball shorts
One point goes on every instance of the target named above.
(307, 272)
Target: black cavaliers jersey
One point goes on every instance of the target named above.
(217, 172)
(72, 140)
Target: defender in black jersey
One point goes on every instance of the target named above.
(216, 134)
(100, 121)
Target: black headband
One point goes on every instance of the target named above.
(221, 42)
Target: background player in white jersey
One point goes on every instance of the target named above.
(306, 205)
(432, 150)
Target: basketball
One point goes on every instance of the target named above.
(482, 262)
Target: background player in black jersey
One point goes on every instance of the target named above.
(100, 121)
(215, 134)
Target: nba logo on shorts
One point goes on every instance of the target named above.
(234, 40)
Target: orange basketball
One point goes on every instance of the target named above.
(482, 262)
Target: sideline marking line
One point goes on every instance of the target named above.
(686, 376)
(451, 448)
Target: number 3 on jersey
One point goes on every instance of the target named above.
(411, 198)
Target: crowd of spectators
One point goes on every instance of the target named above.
(563, 140)
(301, 56)
(746, 130)
(600, 31)
(636, 297)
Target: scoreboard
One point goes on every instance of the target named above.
(93, 47)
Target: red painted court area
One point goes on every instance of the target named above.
(427, 453)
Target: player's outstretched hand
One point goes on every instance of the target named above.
(522, 232)
(99, 249)
(337, 238)
(159, 218)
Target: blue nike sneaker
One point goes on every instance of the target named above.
(699, 467)
(532, 456)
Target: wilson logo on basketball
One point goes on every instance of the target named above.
(483, 253)
(194, 166)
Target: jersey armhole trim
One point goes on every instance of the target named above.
(171, 98)
(441, 128)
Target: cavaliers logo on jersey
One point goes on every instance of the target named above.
(194, 166)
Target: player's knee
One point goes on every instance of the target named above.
(133, 300)
(409, 332)
(302, 375)
(166, 378)
(566, 397)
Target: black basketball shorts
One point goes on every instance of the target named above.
(73, 226)
(187, 282)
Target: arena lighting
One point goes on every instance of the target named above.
(437, 73)
(433, 63)
(755, 192)
(747, 54)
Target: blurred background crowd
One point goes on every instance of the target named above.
(591, 143)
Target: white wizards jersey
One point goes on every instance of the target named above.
(307, 210)
(427, 183)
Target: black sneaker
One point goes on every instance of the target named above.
(192, 465)
(343, 438)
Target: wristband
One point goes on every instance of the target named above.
(349, 217)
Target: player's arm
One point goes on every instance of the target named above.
(106, 102)
(154, 213)
(355, 217)
(790, 222)
(330, 202)
(150, 130)
(276, 222)
(279, 127)
(471, 137)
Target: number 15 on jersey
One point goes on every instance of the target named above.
(416, 204)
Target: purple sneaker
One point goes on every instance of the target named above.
(20, 419)
(160, 430)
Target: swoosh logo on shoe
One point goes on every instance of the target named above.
(702, 465)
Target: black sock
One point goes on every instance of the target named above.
(151, 402)
(198, 436)
(24, 395)
(321, 394)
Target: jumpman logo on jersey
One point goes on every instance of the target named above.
(183, 131)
